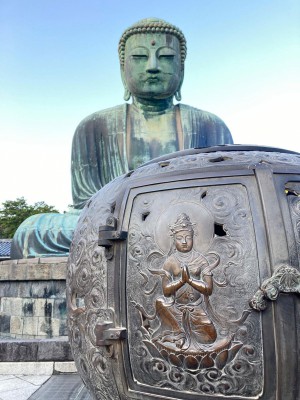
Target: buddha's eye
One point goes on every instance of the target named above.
(166, 56)
(139, 56)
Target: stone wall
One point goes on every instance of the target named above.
(33, 315)
(35, 350)
(33, 298)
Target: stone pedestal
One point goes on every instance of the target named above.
(33, 310)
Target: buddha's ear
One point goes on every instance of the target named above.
(127, 93)
(178, 90)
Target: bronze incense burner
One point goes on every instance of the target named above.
(183, 279)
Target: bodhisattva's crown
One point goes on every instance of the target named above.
(152, 25)
(183, 223)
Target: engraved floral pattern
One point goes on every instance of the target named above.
(87, 279)
(234, 369)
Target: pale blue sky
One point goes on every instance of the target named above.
(59, 63)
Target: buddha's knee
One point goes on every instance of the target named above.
(44, 235)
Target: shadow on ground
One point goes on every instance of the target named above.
(62, 387)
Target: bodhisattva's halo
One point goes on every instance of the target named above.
(199, 215)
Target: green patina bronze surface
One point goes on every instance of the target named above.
(111, 142)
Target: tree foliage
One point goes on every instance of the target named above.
(14, 212)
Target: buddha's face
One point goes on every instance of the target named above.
(153, 67)
(184, 241)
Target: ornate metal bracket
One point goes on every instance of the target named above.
(108, 234)
(106, 333)
(285, 279)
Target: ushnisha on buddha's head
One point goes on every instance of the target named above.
(152, 54)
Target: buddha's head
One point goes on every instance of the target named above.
(152, 54)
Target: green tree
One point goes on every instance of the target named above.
(14, 212)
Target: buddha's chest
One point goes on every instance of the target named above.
(150, 136)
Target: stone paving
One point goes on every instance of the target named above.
(41, 381)
(20, 387)
(43, 387)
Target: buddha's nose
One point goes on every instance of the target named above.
(152, 65)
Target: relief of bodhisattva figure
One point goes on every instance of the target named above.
(186, 277)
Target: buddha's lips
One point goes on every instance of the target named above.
(152, 79)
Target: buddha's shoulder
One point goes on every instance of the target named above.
(103, 116)
(196, 113)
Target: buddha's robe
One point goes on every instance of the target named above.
(98, 156)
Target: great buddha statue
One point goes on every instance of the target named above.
(111, 142)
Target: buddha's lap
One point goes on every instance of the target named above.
(44, 234)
